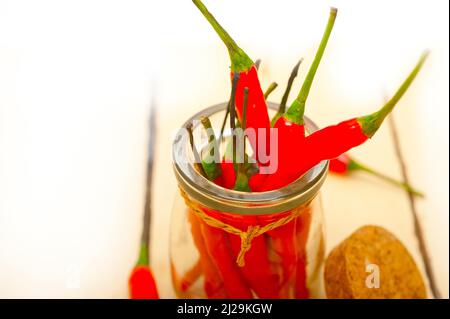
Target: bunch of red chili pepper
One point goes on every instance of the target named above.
(297, 152)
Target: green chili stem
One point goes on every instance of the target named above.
(243, 126)
(354, 165)
(233, 125)
(282, 107)
(211, 165)
(211, 138)
(297, 109)
(270, 89)
(240, 61)
(143, 256)
(372, 122)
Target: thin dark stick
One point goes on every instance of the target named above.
(233, 127)
(232, 108)
(244, 111)
(270, 89)
(230, 102)
(145, 238)
(417, 226)
(292, 76)
(282, 107)
(222, 129)
(233, 113)
(197, 160)
(244, 121)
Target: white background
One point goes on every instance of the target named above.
(75, 90)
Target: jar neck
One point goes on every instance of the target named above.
(216, 197)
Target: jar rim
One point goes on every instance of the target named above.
(299, 192)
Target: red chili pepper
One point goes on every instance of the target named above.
(258, 117)
(257, 270)
(290, 126)
(191, 276)
(341, 164)
(332, 141)
(213, 281)
(283, 238)
(141, 283)
(216, 240)
(229, 175)
(288, 243)
(219, 249)
(323, 144)
(252, 180)
(211, 160)
(285, 246)
(256, 181)
(303, 224)
(290, 142)
(344, 164)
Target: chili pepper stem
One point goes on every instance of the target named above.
(353, 165)
(233, 116)
(282, 107)
(372, 122)
(239, 59)
(244, 113)
(211, 138)
(241, 179)
(197, 161)
(270, 89)
(257, 63)
(225, 118)
(141, 282)
(241, 174)
(297, 109)
(211, 162)
(143, 259)
(231, 103)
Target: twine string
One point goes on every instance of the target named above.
(247, 236)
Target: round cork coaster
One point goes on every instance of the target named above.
(372, 264)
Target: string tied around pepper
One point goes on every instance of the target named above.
(246, 236)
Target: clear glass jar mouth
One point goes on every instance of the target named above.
(219, 198)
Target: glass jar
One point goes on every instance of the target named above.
(231, 244)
